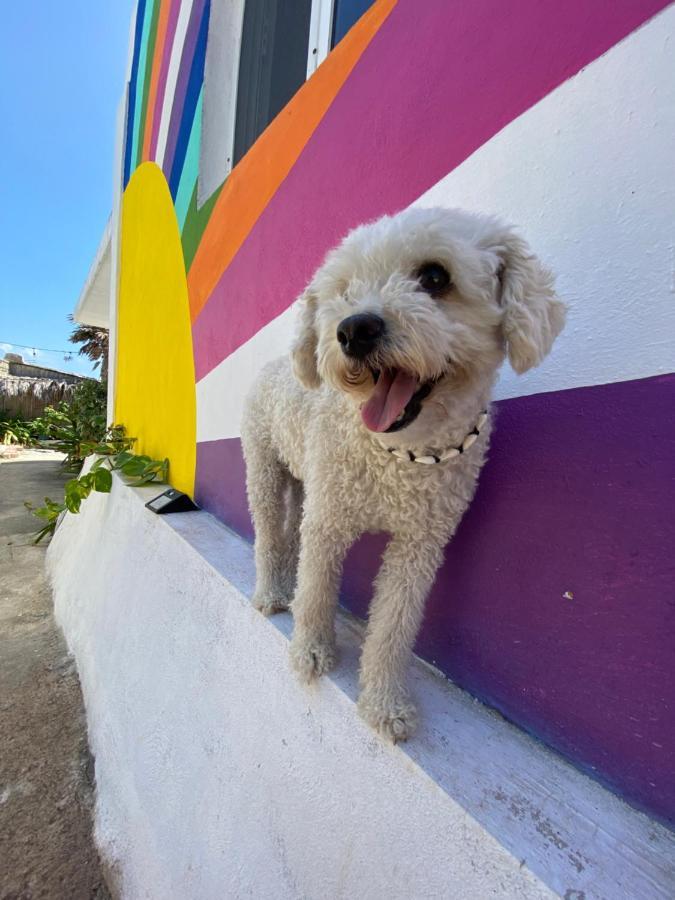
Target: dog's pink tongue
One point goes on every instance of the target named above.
(388, 400)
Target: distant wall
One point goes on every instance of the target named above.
(26, 370)
(13, 364)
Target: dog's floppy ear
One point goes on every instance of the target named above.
(303, 350)
(533, 314)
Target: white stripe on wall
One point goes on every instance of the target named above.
(221, 394)
(172, 78)
(587, 175)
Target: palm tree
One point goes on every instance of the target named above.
(94, 344)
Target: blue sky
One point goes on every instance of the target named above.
(62, 68)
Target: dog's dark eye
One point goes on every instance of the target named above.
(434, 279)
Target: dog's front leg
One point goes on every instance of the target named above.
(408, 569)
(322, 550)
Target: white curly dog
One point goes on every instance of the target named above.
(380, 421)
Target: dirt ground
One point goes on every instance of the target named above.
(46, 771)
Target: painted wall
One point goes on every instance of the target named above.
(219, 776)
(560, 117)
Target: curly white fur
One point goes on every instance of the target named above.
(318, 478)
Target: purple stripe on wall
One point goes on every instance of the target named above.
(186, 59)
(220, 483)
(418, 103)
(577, 497)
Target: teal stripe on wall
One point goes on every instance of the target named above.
(190, 173)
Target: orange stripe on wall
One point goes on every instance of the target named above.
(256, 178)
(154, 78)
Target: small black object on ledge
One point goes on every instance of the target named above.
(171, 501)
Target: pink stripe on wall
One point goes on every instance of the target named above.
(163, 72)
(438, 81)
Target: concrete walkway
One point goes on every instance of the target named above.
(46, 771)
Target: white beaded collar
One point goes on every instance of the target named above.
(431, 459)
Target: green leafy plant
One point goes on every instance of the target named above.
(113, 455)
(19, 431)
(114, 441)
(80, 422)
(50, 513)
(135, 470)
(14, 432)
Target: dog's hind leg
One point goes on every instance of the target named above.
(294, 501)
(267, 481)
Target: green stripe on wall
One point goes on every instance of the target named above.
(195, 223)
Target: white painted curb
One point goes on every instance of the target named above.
(219, 776)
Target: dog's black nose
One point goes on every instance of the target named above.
(359, 334)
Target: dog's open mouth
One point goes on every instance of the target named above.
(395, 402)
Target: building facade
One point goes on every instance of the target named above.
(253, 135)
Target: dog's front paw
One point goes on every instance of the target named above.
(394, 717)
(312, 656)
(270, 603)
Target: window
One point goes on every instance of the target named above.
(258, 54)
(330, 22)
(346, 14)
(220, 95)
(272, 64)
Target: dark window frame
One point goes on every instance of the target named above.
(272, 65)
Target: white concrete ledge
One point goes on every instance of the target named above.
(219, 776)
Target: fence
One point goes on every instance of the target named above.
(27, 398)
